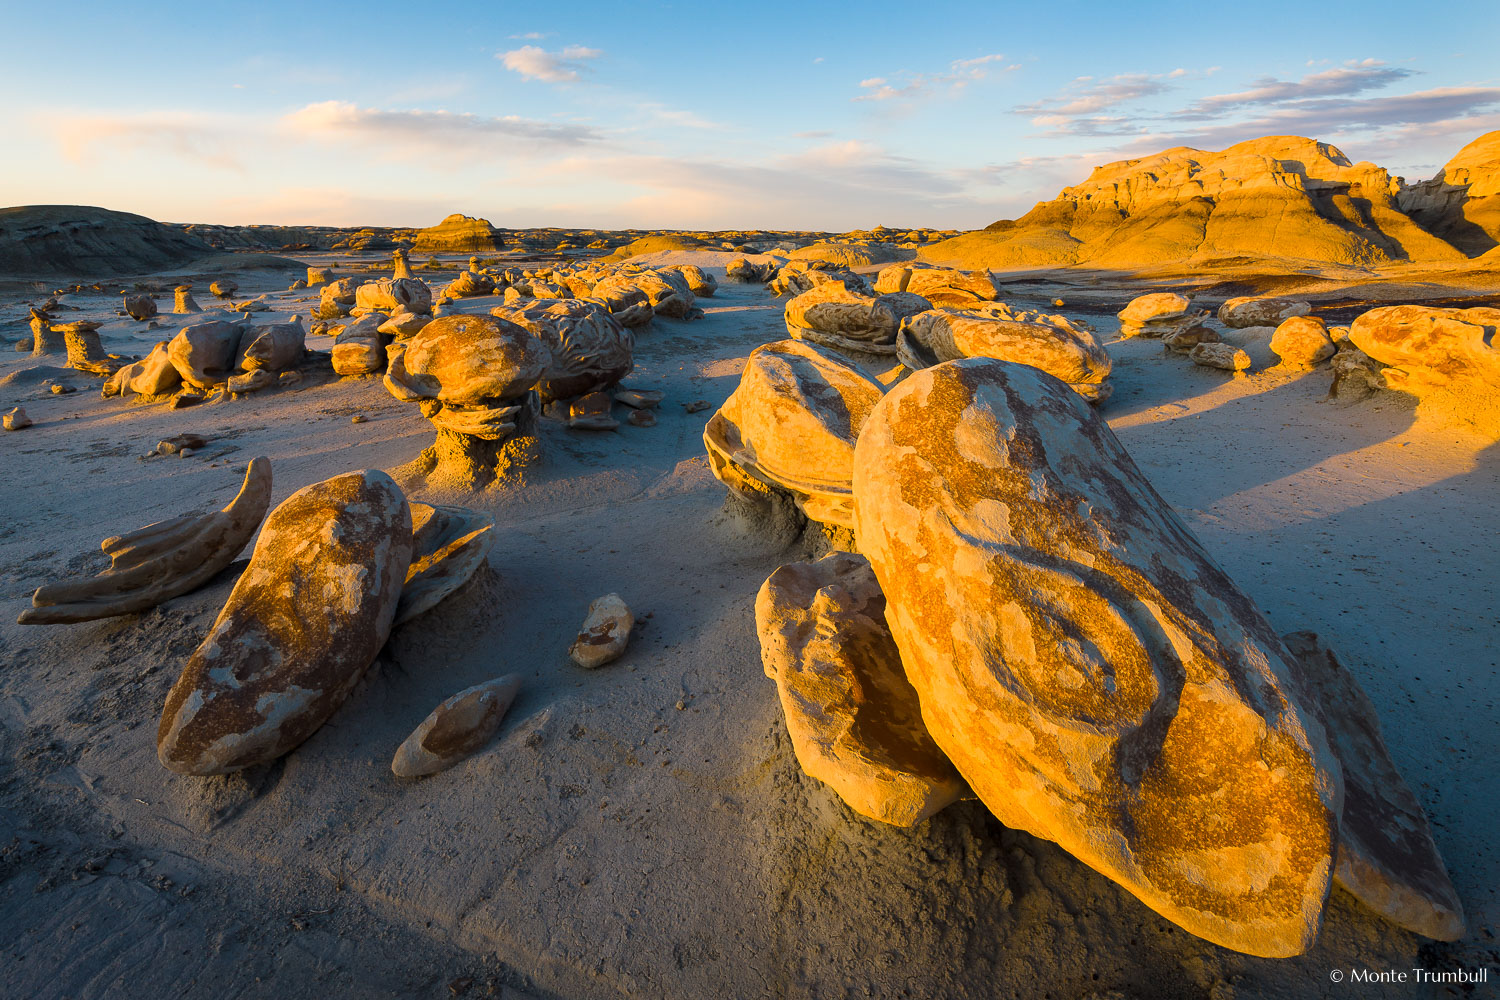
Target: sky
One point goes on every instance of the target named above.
(698, 115)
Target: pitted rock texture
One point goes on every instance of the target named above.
(1448, 358)
(1090, 671)
(1248, 311)
(1061, 349)
(390, 294)
(1387, 858)
(944, 287)
(466, 360)
(457, 729)
(790, 426)
(853, 717)
(591, 350)
(299, 630)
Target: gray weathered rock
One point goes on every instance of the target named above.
(457, 729)
(604, 634)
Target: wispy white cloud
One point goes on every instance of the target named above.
(959, 75)
(399, 130)
(1355, 78)
(535, 63)
(200, 138)
(532, 36)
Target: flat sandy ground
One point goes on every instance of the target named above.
(644, 829)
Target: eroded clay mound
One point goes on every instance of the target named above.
(459, 233)
(1087, 667)
(1462, 203)
(76, 240)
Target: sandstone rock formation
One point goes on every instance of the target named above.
(140, 307)
(16, 419)
(1274, 197)
(457, 729)
(275, 347)
(1085, 665)
(160, 561)
(655, 244)
(1462, 203)
(1062, 349)
(842, 315)
(627, 303)
(359, 348)
(473, 376)
(153, 375)
(45, 337)
(1248, 311)
(699, 282)
(1302, 342)
(448, 545)
(591, 350)
(390, 294)
(1449, 358)
(853, 717)
(224, 288)
(789, 429)
(206, 354)
(459, 233)
(604, 634)
(942, 286)
(1387, 858)
(184, 301)
(299, 630)
(85, 351)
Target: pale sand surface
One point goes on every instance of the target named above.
(610, 843)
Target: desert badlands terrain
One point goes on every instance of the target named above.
(1098, 604)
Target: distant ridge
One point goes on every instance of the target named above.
(1462, 203)
(459, 233)
(83, 241)
(1281, 197)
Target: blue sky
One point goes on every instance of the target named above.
(701, 115)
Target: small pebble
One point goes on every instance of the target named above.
(358, 418)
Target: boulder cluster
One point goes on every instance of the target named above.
(1028, 617)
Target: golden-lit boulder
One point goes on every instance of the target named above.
(626, 302)
(206, 354)
(944, 287)
(1063, 349)
(843, 315)
(853, 717)
(1387, 858)
(1302, 342)
(359, 348)
(1216, 354)
(1085, 664)
(1449, 358)
(275, 347)
(591, 350)
(790, 426)
(299, 630)
(153, 375)
(468, 360)
(390, 294)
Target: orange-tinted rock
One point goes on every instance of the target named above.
(1248, 311)
(1084, 663)
(853, 717)
(843, 315)
(591, 350)
(790, 426)
(1302, 342)
(300, 628)
(1449, 358)
(1061, 349)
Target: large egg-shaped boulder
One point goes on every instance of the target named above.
(1093, 674)
(299, 630)
(471, 359)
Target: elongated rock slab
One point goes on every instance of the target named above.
(1387, 858)
(160, 561)
(853, 717)
(448, 545)
(458, 728)
(299, 630)
(1090, 671)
